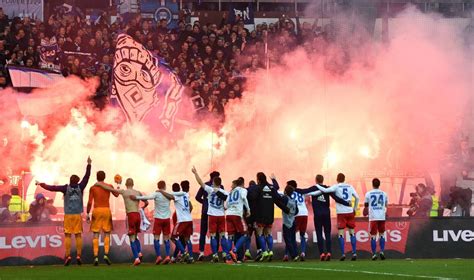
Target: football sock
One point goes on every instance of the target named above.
(180, 246)
(190, 248)
(79, 245)
(67, 243)
(106, 244)
(270, 242)
(261, 241)
(156, 244)
(303, 242)
(133, 245)
(224, 244)
(248, 241)
(139, 245)
(373, 244)
(353, 243)
(382, 243)
(213, 244)
(167, 247)
(242, 240)
(341, 244)
(95, 246)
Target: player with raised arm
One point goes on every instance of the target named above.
(235, 203)
(184, 223)
(201, 197)
(133, 215)
(345, 214)
(101, 217)
(162, 222)
(73, 209)
(375, 206)
(216, 213)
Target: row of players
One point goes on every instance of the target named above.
(237, 213)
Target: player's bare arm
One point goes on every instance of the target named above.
(109, 188)
(356, 201)
(198, 178)
(365, 212)
(145, 202)
(89, 206)
(247, 207)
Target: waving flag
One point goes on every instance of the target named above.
(49, 59)
(142, 84)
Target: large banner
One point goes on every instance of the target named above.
(406, 238)
(21, 8)
(146, 89)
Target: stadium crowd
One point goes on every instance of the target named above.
(212, 60)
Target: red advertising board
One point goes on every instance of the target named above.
(31, 242)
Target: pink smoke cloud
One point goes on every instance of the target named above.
(395, 107)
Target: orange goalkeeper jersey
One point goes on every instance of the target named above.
(99, 197)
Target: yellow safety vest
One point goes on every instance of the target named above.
(434, 206)
(19, 205)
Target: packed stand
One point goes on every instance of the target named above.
(213, 60)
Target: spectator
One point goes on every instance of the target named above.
(460, 201)
(3, 20)
(41, 209)
(5, 215)
(18, 206)
(465, 158)
(423, 202)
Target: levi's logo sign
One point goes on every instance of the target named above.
(453, 235)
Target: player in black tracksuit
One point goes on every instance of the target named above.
(250, 220)
(266, 196)
(322, 216)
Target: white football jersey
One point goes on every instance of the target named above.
(181, 203)
(344, 191)
(236, 200)
(215, 204)
(300, 200)
(377, 201)
(162, 205)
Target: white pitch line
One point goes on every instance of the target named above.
(351, 271)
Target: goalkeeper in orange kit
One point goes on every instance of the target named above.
(101, 217)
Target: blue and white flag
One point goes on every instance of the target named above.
(163, 9)
(26, 77)
(144, 87)
(49, 55)
(87, 60)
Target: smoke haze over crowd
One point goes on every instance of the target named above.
(396, 106)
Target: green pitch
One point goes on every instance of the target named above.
(361, 269)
